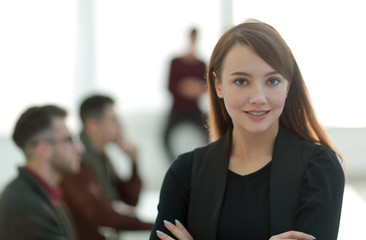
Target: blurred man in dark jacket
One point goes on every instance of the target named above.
(31, 206)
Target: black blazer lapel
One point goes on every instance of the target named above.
(208, 185)
(287, 173)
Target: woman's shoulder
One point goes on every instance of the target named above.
(287, 139)
(324, 157)
(184, 161)
(322, 161)
(292, 147)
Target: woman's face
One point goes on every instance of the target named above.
(253, 92)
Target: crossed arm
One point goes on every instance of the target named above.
(181, 233)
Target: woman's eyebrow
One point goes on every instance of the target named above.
(272, 73)
(249, 75)
(240, 74)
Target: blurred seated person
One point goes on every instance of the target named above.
(91, 194)
(31, 206)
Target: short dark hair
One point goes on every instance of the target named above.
(93, 106)
(193, 32)
(35, 120)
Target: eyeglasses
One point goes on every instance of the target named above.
(74, 140)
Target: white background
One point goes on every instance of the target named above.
(131, 43)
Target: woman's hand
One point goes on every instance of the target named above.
(292, 235)
(178, 230)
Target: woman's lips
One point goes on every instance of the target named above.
(257, 114)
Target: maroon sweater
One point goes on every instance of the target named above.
(91, 209)
(180, 69)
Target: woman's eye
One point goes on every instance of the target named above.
(241, 82)
(274, 81)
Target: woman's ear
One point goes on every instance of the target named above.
(218, 85)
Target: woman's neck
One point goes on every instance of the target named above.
(251, 151)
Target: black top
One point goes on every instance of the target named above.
(245, 210)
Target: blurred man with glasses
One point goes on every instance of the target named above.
(31, 206)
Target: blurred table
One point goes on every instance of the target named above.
(146, 210)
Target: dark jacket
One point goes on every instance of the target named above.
(306, 188)
(26, 212)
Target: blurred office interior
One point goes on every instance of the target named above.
(55, 51)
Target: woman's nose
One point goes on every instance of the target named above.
(257, 95)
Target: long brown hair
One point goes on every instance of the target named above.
(298, 114)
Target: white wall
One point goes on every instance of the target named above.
(136, 40)
(57, 50)
(328, 40)
(37, 56)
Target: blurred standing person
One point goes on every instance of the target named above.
(31, 206)
(186, 85)
(91, 194)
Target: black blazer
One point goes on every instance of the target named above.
(306, 188)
